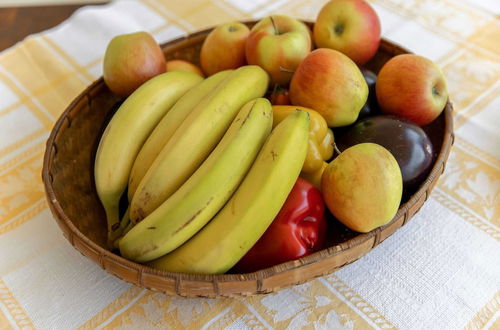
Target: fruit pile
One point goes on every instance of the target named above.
(233, 166)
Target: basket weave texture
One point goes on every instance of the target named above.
(68, 178)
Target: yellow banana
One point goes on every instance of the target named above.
(125, 226)
(167, 126)
(320, 136)
(126, 132)
(245, 217)
(206, 191)
(198, 134)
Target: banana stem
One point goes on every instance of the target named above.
(124, 223)
(130, 225)
(116, 243)
(113, 222)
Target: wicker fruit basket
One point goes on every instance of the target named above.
(68, 178)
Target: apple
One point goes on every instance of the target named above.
(411, 87)
(130, 60)
(224, 48)
(407, 142)
(278, 44)
(362, 187)
(349, 26)
(330, 83)
(182, 65)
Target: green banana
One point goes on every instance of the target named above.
(206, 191)
(126, 132)
(167, 126)
(198, 134)
(245, 217)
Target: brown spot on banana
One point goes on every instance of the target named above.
(193, 216)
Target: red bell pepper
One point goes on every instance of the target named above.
(299, 229)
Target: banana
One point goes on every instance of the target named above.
(125, 226)
(245, 217)
(206, 191)
(127, 131)
(198, 134)
(167, 126)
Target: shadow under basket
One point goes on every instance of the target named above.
(68, 177)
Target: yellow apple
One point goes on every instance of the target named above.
(182, 65)
(363, 187)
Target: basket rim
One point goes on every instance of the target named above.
(107, 255)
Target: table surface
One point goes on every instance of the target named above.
(439, 271)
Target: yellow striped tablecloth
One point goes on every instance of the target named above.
(440, 271)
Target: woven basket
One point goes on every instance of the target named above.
(68, 178)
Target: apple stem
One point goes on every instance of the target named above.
(286, 70)
(274, 25)
(339, 29)
(435, 90)
(336, 148)
(275, 88)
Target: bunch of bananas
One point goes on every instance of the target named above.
(203, 169)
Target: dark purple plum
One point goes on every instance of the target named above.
(371, 106)
(407, 142)
(370, 77)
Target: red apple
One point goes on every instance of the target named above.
(182, 65)
(330, 83)
(224, 48)
(349, 26)
(411, 87)
(130, 60)
(278, 44)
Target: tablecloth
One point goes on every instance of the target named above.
(440, 271)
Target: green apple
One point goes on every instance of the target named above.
(130, 60)
(363, 187)
(278, 44)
